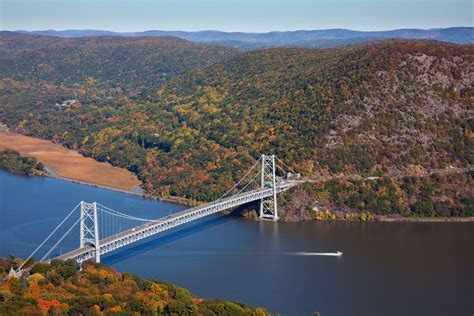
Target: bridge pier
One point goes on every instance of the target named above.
(268, 205)
(89, 228)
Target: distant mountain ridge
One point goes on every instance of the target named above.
(300, 38)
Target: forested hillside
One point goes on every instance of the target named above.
(59, 288)
(391, 108)
(436, 194)
(389, 104)
(117, 65)
(12, 161)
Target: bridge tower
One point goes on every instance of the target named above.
(268, 205)
(89, 228)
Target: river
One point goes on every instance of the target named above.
(386, 268)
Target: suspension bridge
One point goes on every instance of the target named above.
(103, 230)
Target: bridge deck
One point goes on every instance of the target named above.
(151, 228)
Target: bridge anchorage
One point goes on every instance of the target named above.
(103, 230)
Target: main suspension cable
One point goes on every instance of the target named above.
(47, 238)
(61, 239)
(108, 210)
(284, 164)
(249, 182)
(255, 164)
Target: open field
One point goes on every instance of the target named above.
(70, 164)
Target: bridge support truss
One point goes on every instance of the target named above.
(89, 228)
(268, 205)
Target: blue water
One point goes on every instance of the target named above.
(386, 269)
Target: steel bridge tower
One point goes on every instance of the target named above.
(268, 205)
(89, 228)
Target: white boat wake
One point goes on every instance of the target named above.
(244, 253)
(302, 253)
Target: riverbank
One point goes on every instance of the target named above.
(174, 200)
(11, 161)
(437, 195)
(93, 185)
(69, 164)
(426, 219)
(375, 218)
(328, 214)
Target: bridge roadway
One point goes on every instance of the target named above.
(154, 227)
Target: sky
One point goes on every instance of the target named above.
(233, 15)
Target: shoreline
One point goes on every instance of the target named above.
(184, 202)
(36, 147)
(92, 184)
(30, 146)
(384, 219)
(174, 200)
(177, 200)
(426, 219)
(70, 164)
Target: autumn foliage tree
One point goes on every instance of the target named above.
(60, 288)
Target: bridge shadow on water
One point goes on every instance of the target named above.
(174, 235)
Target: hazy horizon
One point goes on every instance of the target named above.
(249, 32)
(246, 16)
